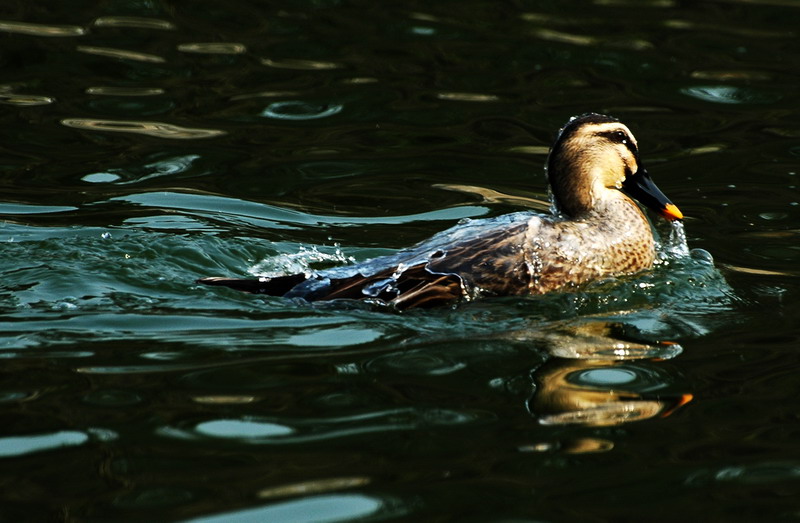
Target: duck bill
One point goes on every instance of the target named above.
(641, 186)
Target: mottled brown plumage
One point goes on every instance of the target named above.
(597, 232)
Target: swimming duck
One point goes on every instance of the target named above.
(595, 231)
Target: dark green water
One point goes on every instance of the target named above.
(145, 144)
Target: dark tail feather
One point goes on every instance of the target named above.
(415, 287)
(277, 286)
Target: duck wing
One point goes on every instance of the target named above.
(480, 257)
(413, 287)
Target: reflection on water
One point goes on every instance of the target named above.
(288, 63)
(213, 48)
(342, 507)
(157, 129)
(146, 144)
(133, 21)
(24, 99)
(26, 28)
(125, 91)
(296, 110)
(120, 53)
(601, 393)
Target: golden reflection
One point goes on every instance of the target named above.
(120, 53)
(313, 487)
(490, 196)
(634, 44)
(157, 129)
(529, 149)
(468, 97)
(597, 377)
(760, 272)
(424, 17)
(536, 17)
(598, 393)
(593, 339)
(739, 31)
(308, 65)
(25, 99)
(730, 75)
(41, 29)
(213, 48)
(124, 91)
(133, 21)
(360, 80)
(705, 149)
(564, 38)
(585, 445)
(786, 133)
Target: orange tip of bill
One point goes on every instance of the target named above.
(682, 400)
(671, 212)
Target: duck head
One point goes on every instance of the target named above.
(593, 159)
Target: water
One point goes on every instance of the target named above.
(146, 144)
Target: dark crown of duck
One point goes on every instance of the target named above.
(595, 152)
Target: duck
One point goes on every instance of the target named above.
(594, 231)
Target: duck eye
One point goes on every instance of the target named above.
(619, 137)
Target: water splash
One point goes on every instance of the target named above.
(302, 261)
(674, 245)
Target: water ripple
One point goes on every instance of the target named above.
(329, 507)
(305, 65)
(25, 99)
(234, 428)
(22, 208)
(157, 129)
(271, 431)
(728, 94)
(299, 110)
(468, 97)
(26, 28)
(758, 473)
(20, 445)
(274, 216)
(314, 486)
(124, 54)
(133, 21)
(124, 91)
(213, 48)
